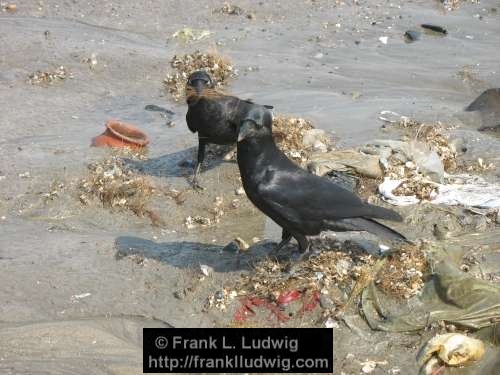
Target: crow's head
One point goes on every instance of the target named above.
(199, 81)
(256, 124)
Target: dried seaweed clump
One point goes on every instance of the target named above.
(116, 186)
(230, 9)
(419, 187)
(434, 136)
(40, 78)
(455, 4)
(329, 269)
(217, 66)
(289, 133)
(414, 181)
(402, 274)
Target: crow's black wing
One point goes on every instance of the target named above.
(299, 196)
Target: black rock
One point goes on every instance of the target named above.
(488, 105)
(412, 35)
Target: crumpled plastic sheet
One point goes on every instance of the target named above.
(451, 296)
(454, 297)
(479, 194)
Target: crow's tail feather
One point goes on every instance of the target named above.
(384, 213)
(368, 225)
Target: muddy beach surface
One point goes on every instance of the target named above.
(79, 280)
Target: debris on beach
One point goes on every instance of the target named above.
(193, 221)
(403, 273)
(452, 349)
(434, 29)
(49, 77)
(219, 67)
(455, 4)
(220, 299)
(118, 187)
(339, 275)
(230, 9)
(298, 138)
(8, 7)
(351, 162)
(434, 135)
(188, 34)
(121, 134)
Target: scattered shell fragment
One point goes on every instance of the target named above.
(206, 270)
(76, 297)
(41, 78)
(230, 9)
(370, 366)
(191, 221)
(92, 61)
(242, 243)
(331, 323)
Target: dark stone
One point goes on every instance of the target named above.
(412, 35)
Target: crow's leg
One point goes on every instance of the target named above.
(303, 242)
(286, 236)
(201, 156)
(304, 246)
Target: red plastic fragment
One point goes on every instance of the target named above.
(287, 297)
(312, 304)
(246, 311)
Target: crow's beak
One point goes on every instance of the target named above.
(245, 130)
(199, 85)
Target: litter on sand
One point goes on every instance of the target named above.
(480, 194)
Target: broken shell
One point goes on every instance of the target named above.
(241, 243)
(452, 348)
(330, 323)
(206, 270)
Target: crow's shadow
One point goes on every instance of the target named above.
(177, 164)
(186, 254)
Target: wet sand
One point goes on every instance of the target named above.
(305, 61)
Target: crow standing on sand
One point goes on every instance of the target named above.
(300, 202)
(213, 115)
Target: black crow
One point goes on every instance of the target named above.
(301, 203)
(213, 115)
